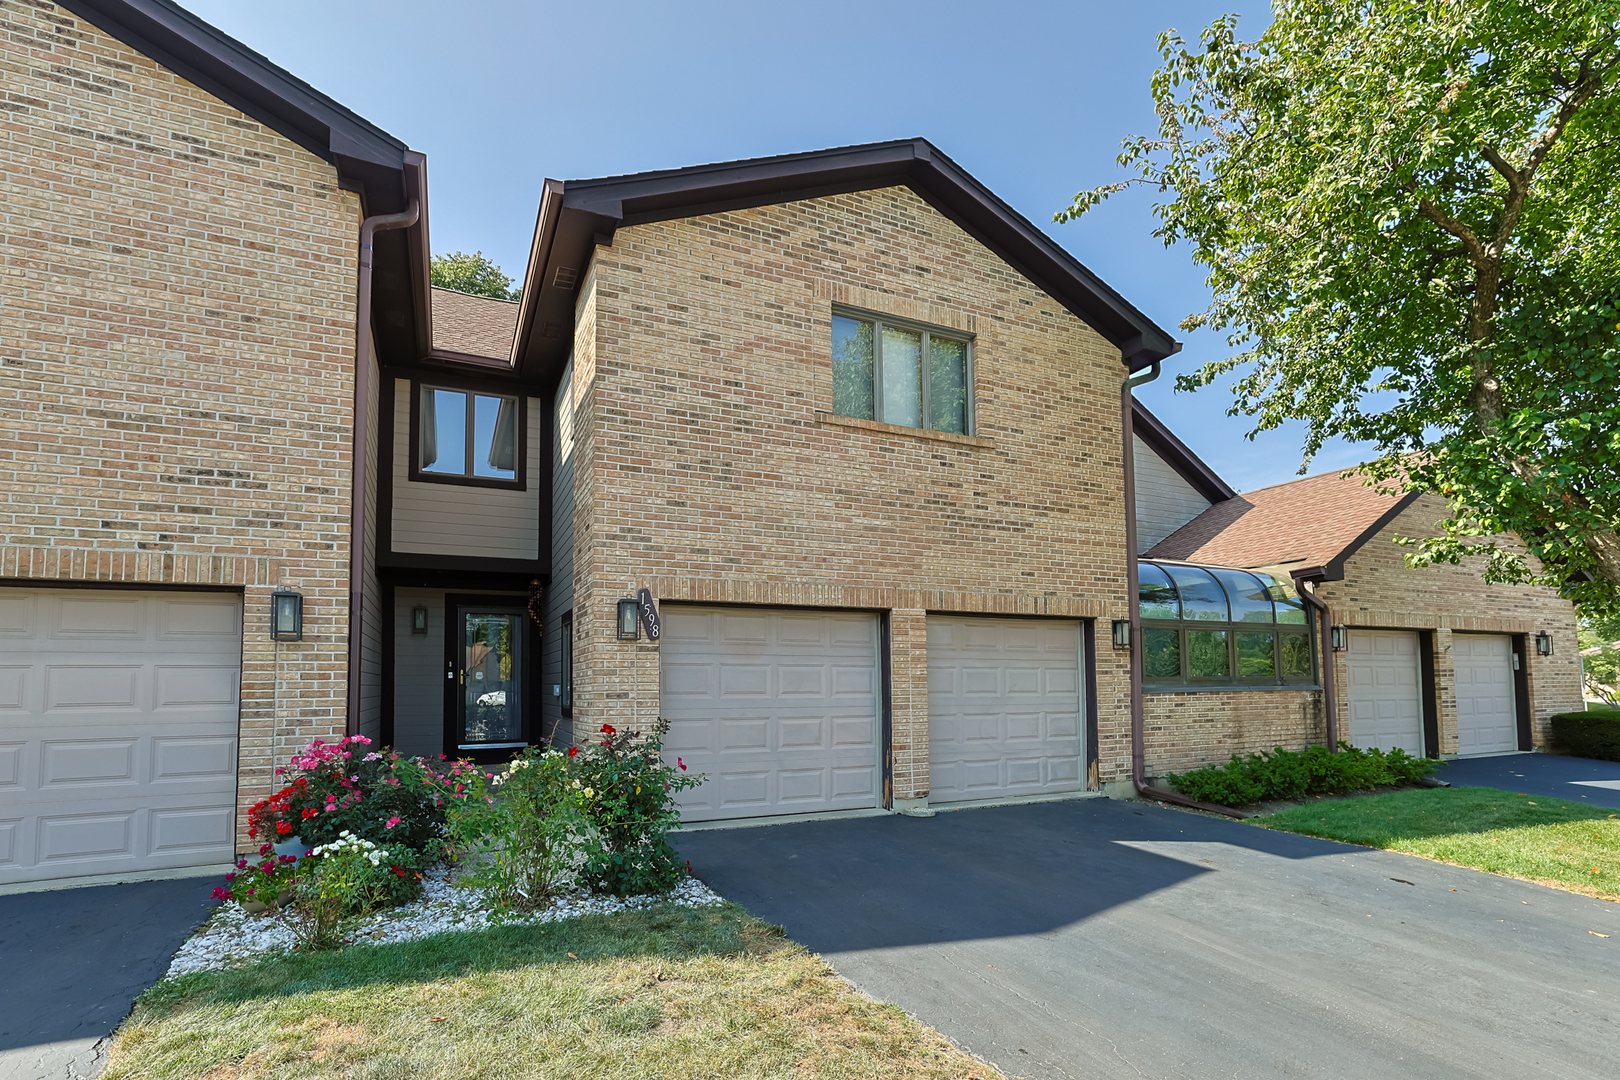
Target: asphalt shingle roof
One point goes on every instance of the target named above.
(476, 325)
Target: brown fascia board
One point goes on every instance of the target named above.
(201, 54)
(1334, 568)
(587, 212)
(1178, 455)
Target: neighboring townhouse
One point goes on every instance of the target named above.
(178, 406)
(1433, 660)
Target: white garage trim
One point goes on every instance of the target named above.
(1487, 699)
(1005, 708)
(118, 731)
(777, 707)
(1385, 690)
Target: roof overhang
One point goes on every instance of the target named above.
(578, 215)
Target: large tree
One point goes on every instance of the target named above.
(471, 274)
(1409, 216)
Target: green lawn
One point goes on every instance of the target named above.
(668, 992)
(1551, 841)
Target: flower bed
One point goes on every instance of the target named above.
(234, 938)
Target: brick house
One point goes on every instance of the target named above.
(1435, 660)
(854, 426)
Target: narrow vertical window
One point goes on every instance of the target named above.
(566, 680)
(902, 388)
(852, 368)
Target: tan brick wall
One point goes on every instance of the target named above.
(176, 349)
(1191, 730)
(703, 357)
(1380, 591)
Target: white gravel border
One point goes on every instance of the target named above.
(233, 938)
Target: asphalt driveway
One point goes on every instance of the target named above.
(1572, 778)
(72, 962)
(1096, 938)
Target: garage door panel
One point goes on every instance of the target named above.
(1003, 707)
(1487, 707)
(82, 686)
(10, 837)
(16, 615)
(1385, 706)
(13, 686)
(118, 732)
(795, 728)
(688, 680)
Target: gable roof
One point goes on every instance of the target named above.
(479, 326)
(1318, 521)
(1176, 454)
(577, 215)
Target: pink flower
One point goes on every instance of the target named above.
(330, 807)
(221, 893)
(681, 763)
(392, 822)
(231, 876)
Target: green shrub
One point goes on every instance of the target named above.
(632, 811)
(346, 879)
(1588, 734)
(528, 825)
(1289, 774)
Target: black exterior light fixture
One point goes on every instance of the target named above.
(629, 620)
(419, 619)
(1340, 637)
(286, 616)
(1544, 644)
(1122, 633)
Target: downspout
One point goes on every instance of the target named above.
(362, 424)
(1132, 589)
(1330, 697)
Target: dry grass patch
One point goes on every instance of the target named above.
(669, 993)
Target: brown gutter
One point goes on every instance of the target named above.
(1330, 697)
(1132, 586)
(362, 424)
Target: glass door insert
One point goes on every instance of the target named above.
(491, 680)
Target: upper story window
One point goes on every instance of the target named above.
(468, 437)
(901, 373)
(1208, 626)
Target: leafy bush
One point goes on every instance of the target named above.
(1288, 774)
(379, 795)
(346, 879)
(528, 825)
(265, 881)
(1588, 734)
(627, 850)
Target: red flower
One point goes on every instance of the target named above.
(609, 729)
(572, 750)
(681, 763)
(398, 870)
(309, 812)
(283, 826)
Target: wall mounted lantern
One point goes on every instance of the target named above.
(286, 616)
(1122, 633)
(1340, 638)
(1544, 644)
(419, 620)
(629, 620)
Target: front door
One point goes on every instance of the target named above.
(485, 663)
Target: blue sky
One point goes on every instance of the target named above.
(1032, 98)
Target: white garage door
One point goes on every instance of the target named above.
(118, 727)
(1386, 708)
(1487, 716)
(778, 708)
(1003, 708)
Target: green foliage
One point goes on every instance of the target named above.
(632, 812)
(525, 827)
(471, 274)
(264, 880)
(1407, 213)
(1600, 656)
(344, 880)
(1288, 774)
(1588, 734)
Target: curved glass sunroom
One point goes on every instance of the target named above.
(1212, 626)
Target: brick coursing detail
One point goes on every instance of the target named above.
(176, 354)
(702, 356)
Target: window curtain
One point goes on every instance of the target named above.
(503, 446)
(428, 430)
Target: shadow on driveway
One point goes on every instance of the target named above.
(1102, 938)
(74, 960)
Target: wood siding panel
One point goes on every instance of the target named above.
(1164, 501)
(448, 519)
